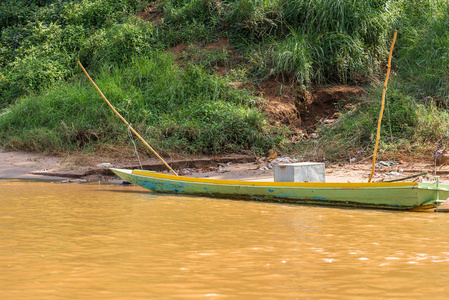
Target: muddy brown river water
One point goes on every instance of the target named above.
(88, 241)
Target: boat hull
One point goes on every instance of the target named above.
(398, 195)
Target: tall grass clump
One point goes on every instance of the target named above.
(316, 42)
(423, 55)
(293, 58)
(368, 20)
(254, 20)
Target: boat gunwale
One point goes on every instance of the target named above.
(343, 185)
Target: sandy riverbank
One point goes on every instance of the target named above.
(20, 165)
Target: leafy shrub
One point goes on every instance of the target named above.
(39, 40)
(96, 13)
(118, 44)
(44, 58)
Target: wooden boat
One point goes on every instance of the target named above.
(386, 195)
(390, 195)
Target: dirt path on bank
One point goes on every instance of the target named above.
(20, 165)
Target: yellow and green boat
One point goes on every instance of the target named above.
(385, 195)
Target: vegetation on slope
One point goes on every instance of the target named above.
(183, 102)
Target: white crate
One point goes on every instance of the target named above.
(300, 172)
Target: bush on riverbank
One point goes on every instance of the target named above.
(183, 104)
(408, 129)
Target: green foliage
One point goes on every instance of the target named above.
(16, 12)
(43, 59)
(292, 57)
(423, 55)
(183, 12)
(97, 13)
(194, 20)
(342, 58)
(209, 59)
(118, 44)
(187, 111)
(253, 20)
(64, 119)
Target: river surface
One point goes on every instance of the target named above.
(89, 241)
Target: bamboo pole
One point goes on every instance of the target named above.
(124, 121)
(382, 107)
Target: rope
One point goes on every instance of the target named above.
(441, 143)
(135, 148)
(126, 122)
(437, 153)
(389, 124)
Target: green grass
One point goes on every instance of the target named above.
(179, 110)
(182, 105)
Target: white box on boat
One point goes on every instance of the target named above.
(300, 172)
